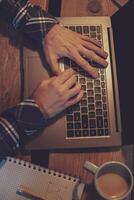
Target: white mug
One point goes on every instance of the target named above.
(112, 180)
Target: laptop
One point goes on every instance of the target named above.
(103, 118)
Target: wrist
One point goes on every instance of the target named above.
(41, 107)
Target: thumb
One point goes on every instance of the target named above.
(54, 63)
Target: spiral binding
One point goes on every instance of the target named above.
(42, 169)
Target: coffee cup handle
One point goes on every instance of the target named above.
(90, 167)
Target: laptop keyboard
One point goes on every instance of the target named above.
(89, 117)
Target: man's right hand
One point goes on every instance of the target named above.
(57, 93)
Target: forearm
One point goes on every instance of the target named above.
(18, 125)
(29, 18)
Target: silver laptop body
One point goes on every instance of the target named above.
(55, 134)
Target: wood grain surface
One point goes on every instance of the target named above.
(10, 77)
(69, 162)
(9, 67)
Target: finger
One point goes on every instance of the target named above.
(64, 76)
(53, 62)
(89, 39)
(70, 82)
(93, 56)
(96, 49)
(75, 100)
(84, 64)
(74, 91)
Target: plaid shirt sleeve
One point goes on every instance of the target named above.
(18, 125)
(29, 18)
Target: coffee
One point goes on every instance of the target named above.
(112, 185)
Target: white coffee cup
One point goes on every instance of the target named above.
(113, 180)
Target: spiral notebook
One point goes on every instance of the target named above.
(45, 183)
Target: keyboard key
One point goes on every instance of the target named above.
(92, 132)
(70, 126)
(77, 116)
(77, 125)
(100, 132)
(70, 133)
(98, 104)
(97, 82)
(92, 123)
(102, 71)
(84, 95)
(85, 133)
(97, 96)
(82, 80)
(91, 114)
(86, 29)
(83, 102)
(89, 85)
(83, 87)
(104, 99)
(69, 117)
(84, 117)
(85, 124)
(84, 121)
(97, 90)
(105, 113)
(102, 77)
(103, 84)
(103, 92)
(78, 133)
(104, 106)
(92, 28)
(90, 92)
(91, 107)
(79, 29)
(99, 122)
(76, 107)
(93, 35)
(90, 99)
(83, 109)
(107, 132)
(105, 123)
(98, 29)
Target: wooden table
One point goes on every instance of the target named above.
(70, 162)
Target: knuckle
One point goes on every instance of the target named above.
(53, 84)
(92, 54)
(60, 92)
(78, 87)
(74, 78)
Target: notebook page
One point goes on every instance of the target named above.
(52, 185)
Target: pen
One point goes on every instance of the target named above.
(29, 193)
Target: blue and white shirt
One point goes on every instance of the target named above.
(20, 123)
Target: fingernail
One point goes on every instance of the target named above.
(105, 54)
(94, 73)
(106, 64)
